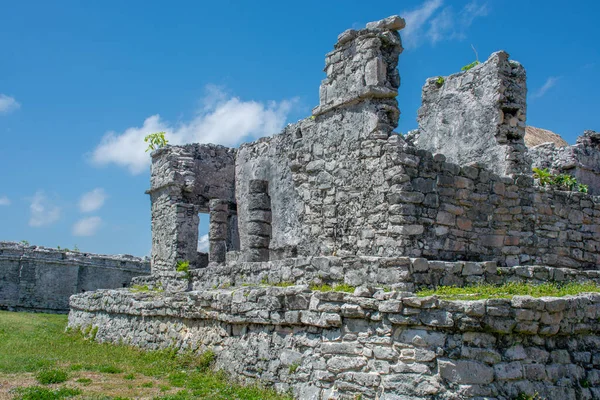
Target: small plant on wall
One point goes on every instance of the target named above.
(156, 141)
(474, 63)
(184, 266)
(560, 181)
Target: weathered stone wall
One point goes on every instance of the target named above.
(343, 183)
(184, 179)
(398, 273)
(43, 279)
(582, 160)
(379, 345)
(383, 197)
(478, 116)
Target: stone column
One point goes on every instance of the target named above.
(218, 230)
(259, 221)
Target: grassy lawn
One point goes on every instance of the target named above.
(508, 290)
(39, 361)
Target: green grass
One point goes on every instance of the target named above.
(109, 369)
(284, 284)
(42, 393)
(341, 287)
(508, 290)
(48, 377)
(145, 289)
(37, 343)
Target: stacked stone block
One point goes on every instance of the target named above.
(259, 221)
(184, 179)
(374, 344)
(42, 279)
(218, 230)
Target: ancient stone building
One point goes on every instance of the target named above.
(340, 198)
(42, 279)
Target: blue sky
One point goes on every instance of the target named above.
(82, 82)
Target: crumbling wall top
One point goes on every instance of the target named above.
(362, 65)
(478, 116)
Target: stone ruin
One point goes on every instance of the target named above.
(341, 198)
(35, 278)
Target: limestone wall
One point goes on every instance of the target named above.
(342, 183)
(43, 279)
(582, 160)
(379, 345)
(184, 179)
(399, 273)
(383, 197)
(478, 116)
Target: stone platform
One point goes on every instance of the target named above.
(376, 344)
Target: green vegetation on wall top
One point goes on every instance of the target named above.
(155, 141)
(560, 181)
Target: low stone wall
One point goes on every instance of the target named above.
(400, 273)
(43, 279)
(386, 345)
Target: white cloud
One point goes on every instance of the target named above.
(92, 201)
(222, 119)
(549, 84)
(203, 244)
(431, 22)
(4, 201)
(8, 104)
(87, 226)
(416, 19)
(43, 211)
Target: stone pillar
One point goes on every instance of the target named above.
(363, 70)
(259, 221)
(218, 230)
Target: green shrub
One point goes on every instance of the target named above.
(440, 80)
(560, 181)
(50, 376)
(184, 266)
